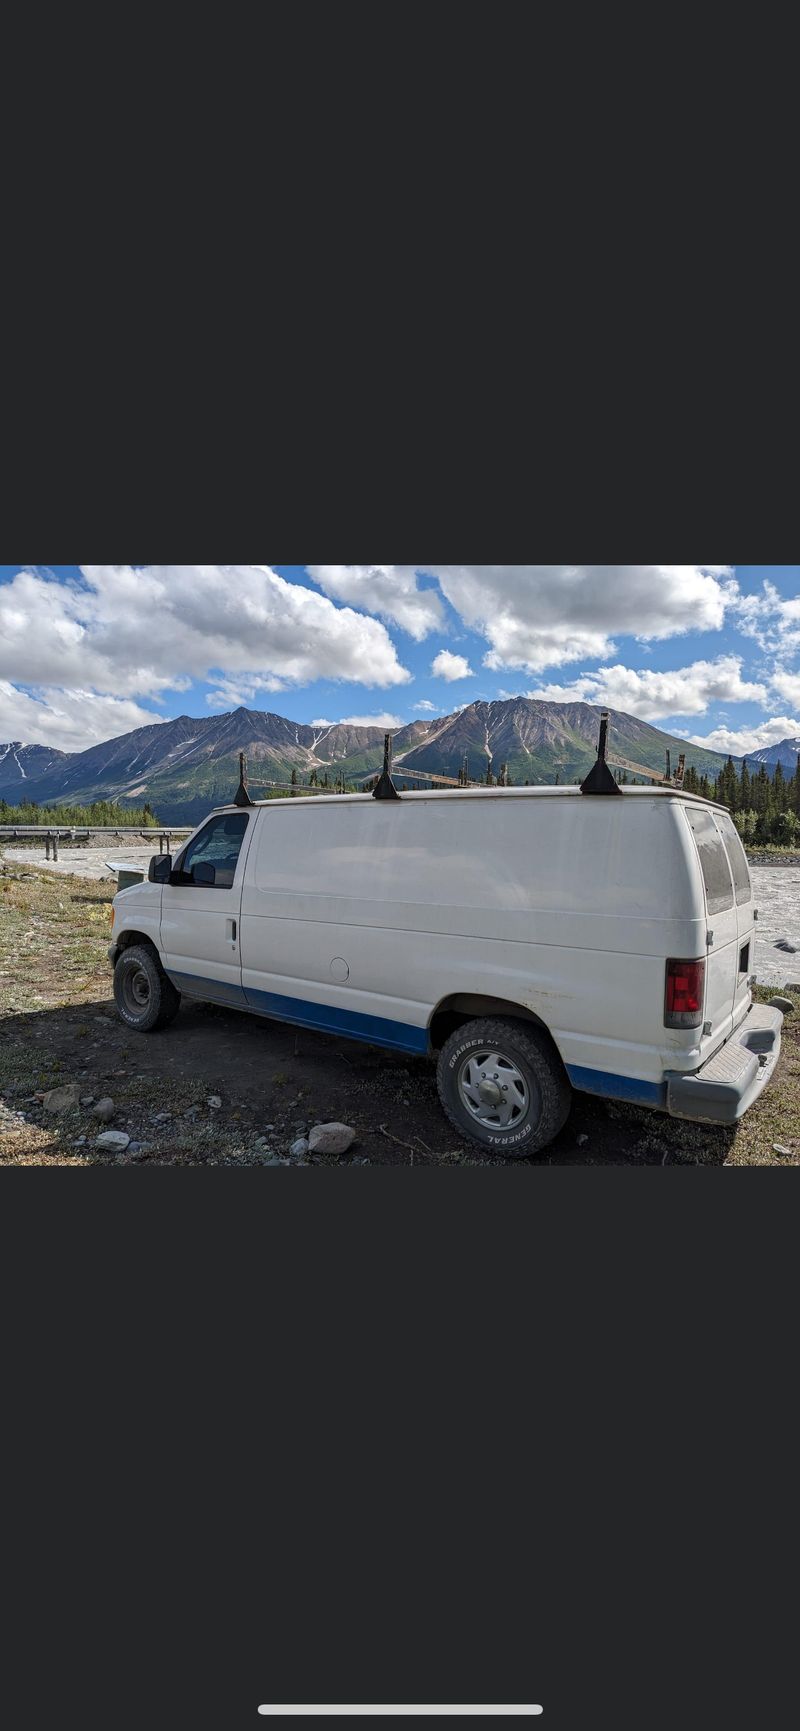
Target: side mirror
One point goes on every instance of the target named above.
(203, 873)
(159, 869)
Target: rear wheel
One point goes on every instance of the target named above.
(503, 1086)
(144, 996)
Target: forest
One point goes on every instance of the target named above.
(102, 812)
(765, 809)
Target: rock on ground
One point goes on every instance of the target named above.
(104, 1110)
(115, 1139)
(62, 1099)
(331, 1138)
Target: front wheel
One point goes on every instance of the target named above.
(144, 996)
(503, 1085)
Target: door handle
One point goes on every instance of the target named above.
(232, 930)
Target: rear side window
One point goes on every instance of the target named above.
(737, 859)
(713, 859)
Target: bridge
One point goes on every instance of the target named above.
(52, 834)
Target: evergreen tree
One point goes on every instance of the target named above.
(744, 787)
(760, 790)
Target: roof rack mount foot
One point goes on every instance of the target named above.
(384, 788)
(241, 796)
(600, 779)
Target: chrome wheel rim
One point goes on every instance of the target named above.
(492, 1089)
(136, 992)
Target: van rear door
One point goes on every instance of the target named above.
(743, 890)
(722, 951)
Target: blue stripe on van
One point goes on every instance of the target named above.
(614, 1087)
(377, 1030)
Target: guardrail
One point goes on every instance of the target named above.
(52, 834)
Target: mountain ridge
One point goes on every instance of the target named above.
(785, 753)
(185, 765)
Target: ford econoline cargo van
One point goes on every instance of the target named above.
(532, 940)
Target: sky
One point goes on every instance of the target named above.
(87, 652)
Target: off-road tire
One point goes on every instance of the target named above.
(144, 1006)
(531, 1050)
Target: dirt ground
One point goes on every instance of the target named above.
(58, 1024)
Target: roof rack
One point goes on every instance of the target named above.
(384, 788)
(600, 779)
(241, 796)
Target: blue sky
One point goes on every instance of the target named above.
(711, 652)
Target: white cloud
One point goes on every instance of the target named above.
(232, 694)
(139, 632)
(652, 695)
(738, 741)
(68, 720)
(424, 704)
(382, 720)
(787, 686)
(772, 620)
(450, 667)
(537, 616)
(390, 590)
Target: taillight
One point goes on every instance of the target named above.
(683, 1003)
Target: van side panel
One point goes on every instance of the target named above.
(361, 917)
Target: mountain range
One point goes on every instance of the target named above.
(786, 754)
(184, 766)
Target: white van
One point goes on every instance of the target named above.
(533, 940)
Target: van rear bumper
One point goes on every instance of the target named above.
(726, 1086)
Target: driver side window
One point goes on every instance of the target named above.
(217, 844)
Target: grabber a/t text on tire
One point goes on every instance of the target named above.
(503, 1085)
(144, 996)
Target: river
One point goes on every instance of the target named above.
(777, 897)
